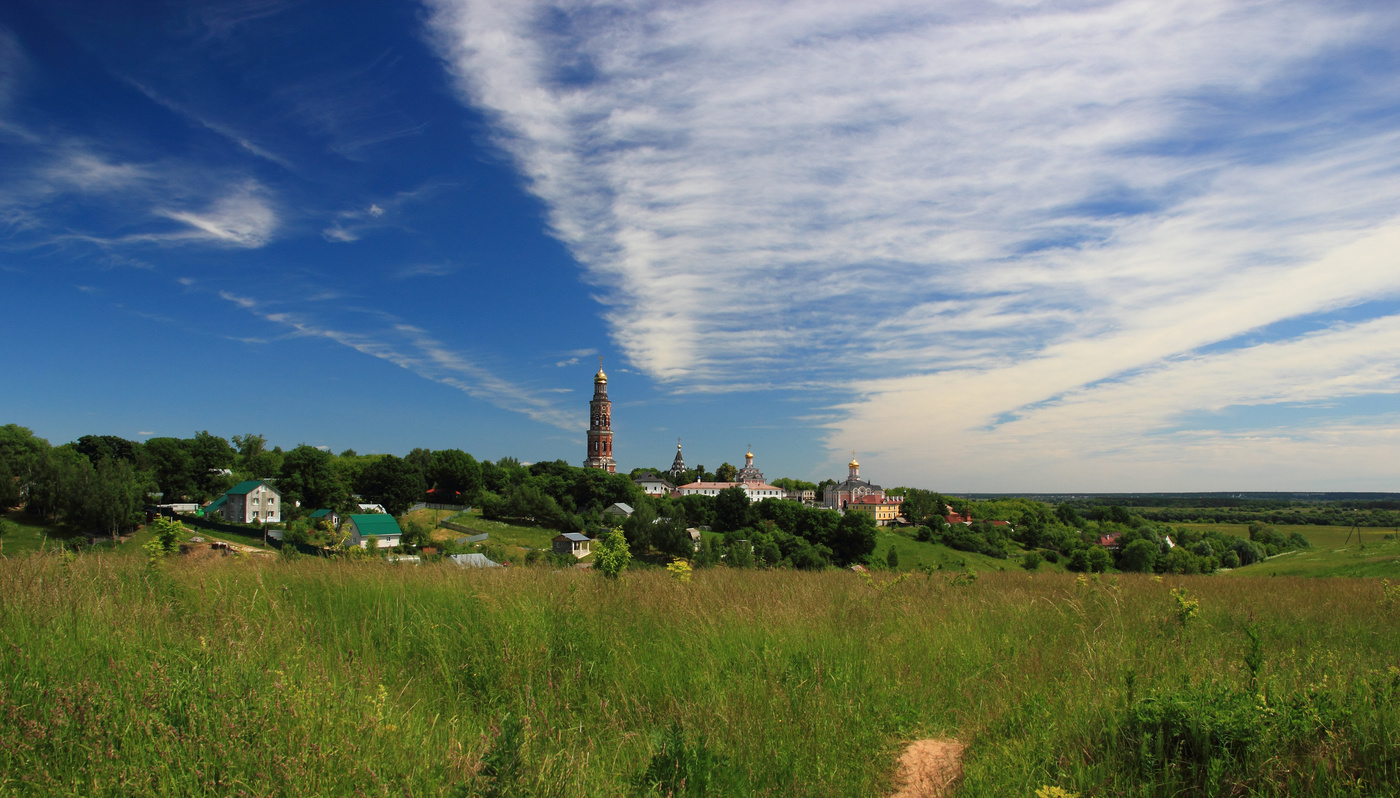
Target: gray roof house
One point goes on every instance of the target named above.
(620, 510)
(572, 543)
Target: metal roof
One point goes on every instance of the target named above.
(376, 524)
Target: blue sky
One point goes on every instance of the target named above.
(1007, 246)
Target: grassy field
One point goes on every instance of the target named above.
(517, 539)
(1372, 559)
(312, 677)
(1320, 536)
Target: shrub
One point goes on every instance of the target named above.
(611, 555)
(1031, 561)
(679, 570)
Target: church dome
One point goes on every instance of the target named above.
(600, 376)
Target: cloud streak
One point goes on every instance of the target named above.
(416, 350)
(1012, 208)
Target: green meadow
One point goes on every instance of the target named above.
(259, 676)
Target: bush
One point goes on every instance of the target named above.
(1140, 556)
(1052, 556)
(610, 554)
(1031, 561)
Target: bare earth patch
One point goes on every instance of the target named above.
(930, 769)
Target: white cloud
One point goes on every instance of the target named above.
(242, 218)
(960, 213)
(416, 350)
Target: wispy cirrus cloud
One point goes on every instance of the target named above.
(412, 348)
(960, 214)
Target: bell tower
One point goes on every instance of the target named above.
(600, 437)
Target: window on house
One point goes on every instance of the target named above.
(255, 500)
(255, 513)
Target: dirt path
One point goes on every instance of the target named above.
(930, 769)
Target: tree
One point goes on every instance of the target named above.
(639, 526)
(610, 554)
(854, 539)
(308, 476)
(1099, 559)
(1139, 556)
(892, 559)
(1067, 516)
(920, 504)
(453, 472)
(210, 454)
(10, 494)
(172, 467)
(391, 482)
(109, 447)
(249, 446)
(726, 473)
(20, 450)
(1078, 561)
(731, 509)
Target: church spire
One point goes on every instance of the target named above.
(677, 465)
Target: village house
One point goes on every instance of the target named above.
(329, 516)
(652, 485)
(374, 525)
(251, 502)
(619, 510)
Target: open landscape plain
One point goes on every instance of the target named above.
(268, 676)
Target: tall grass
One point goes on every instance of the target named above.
(323, 678)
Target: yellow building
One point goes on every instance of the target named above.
(883, 510)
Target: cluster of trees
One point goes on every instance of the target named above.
(1062, 532)
(772, 532)
(104, 481)
(779, 532)
(1379, 513)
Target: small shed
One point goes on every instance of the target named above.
(695, 537)
(572, 543)
(619, 510)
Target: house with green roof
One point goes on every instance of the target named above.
(374, 525)
(329, 516)
(250, 502)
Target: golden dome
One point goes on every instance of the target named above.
(853, 464)
(600, 376)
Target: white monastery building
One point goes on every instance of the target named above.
(749, 478)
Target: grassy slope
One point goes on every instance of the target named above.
(1380, 559)
(1319, 536)
(321, 678)
(913, 555)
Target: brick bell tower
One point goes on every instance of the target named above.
(600, 437)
